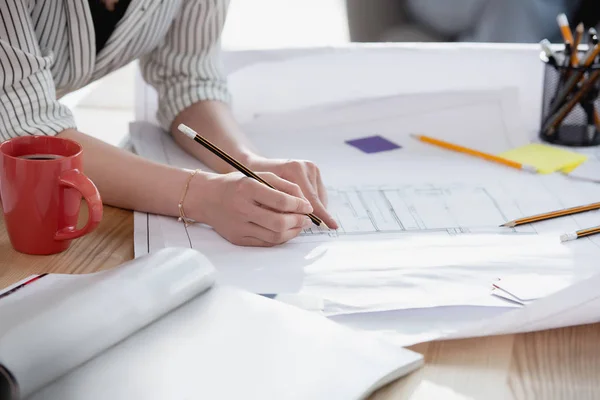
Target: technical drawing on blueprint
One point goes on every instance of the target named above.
(399, 209)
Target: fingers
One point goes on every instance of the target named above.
(254, 235)
(278, 200)
(311, 194)
(270, 237)
(283, 185)
(249, 241)
(322, 193)
(275, 221)
(321, 190)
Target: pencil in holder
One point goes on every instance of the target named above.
(571, 107)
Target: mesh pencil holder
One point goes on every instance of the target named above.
(571, 107)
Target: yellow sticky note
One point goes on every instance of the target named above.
(568, 170)
(547, 159)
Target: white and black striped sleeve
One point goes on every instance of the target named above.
(28, 103)
(185, 68)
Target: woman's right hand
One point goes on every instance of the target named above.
(247, 212)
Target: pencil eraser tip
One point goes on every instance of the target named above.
(562, 19)
(568, 236)
(187, 131)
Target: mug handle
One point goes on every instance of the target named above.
(76, 180)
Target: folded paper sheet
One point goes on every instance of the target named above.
(524, 289)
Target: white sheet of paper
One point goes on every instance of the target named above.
(574, 305)
(577, 304)
(261, 80)
(266, 349)
(501, 293)
(526, 288)
(588, 171)
(486, 120)
(368, 72)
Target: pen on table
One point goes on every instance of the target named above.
(22, 285)
(579, 234)
(476, 153)
(189, 132)
(552, 214)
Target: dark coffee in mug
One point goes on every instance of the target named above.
(41, 156)
(41, 187)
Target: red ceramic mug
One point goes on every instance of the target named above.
(41, 185)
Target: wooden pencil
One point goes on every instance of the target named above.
(579, 234)
(552, 214)
(577, 41)
(475, 153)
(565, 29)
(189, 132)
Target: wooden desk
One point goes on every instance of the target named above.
(556, 364)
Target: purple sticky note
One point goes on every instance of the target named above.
(373, 144)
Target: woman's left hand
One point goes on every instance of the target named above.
(306, 175)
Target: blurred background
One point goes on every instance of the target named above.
(290, 23)
(497, 21)
(268, 24)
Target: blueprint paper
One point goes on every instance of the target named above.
(409, 243)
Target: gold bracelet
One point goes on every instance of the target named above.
(182, 216)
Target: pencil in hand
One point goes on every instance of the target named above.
(189, 132)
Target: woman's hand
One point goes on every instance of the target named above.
(216, 122)
(306, 175)
(247, 212)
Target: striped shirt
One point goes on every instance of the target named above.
(47, 49)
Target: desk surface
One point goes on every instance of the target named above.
(555, 364)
